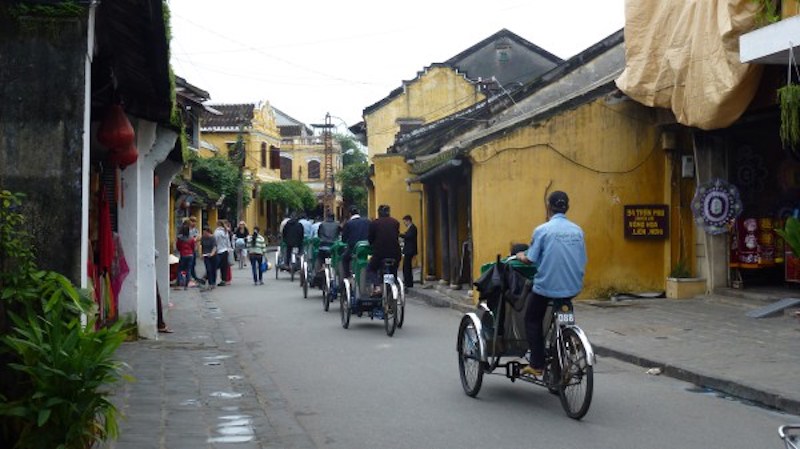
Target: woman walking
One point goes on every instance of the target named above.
(256, 246)
(186, 247)
(223, 250)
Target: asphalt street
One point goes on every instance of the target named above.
(358, 388)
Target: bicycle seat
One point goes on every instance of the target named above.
(389, 262)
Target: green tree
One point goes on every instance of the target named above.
(352, 151)
(224, 177)
(354, 185)
(290, 194)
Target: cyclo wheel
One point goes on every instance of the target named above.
(326, 292)
(291, 268)
(575, 374)
(344, 304)
(277, 263)
(389, 309)
(470, 366)
(304, 279)
(401, 304)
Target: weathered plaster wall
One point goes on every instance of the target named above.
(42, 79)
(604, 155)
(392, 171)
(439, 92)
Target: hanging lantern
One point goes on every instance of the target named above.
(116, 132)
(124, 157)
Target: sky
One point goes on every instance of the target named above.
(312, 57)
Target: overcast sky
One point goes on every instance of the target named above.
(309, 57)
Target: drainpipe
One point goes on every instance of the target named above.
(87, 124)
(421, 224)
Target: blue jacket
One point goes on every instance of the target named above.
(355, 230)
(559, 252)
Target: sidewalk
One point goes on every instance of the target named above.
(707, 341)
(202, 387)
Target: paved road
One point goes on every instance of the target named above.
(359, 388)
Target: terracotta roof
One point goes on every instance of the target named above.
(232, 116)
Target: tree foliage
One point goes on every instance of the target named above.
(354, 185)
(224, 177)
(352, 152)
(291, 194)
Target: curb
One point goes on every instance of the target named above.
(765, 398)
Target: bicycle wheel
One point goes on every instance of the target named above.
(326, 292)
(344, 304)
(401, 305)
(304, 279)
(389, 309)
(241, 258)
(470, 366)
(576, 375)
(277, 263)
(291, 270)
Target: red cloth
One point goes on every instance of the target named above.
(186, 246)
(105, 236)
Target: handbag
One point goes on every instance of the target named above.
(264, 266)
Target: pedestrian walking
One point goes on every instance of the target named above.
(409, 251)
(256, 247)
(185, 246)
(194, 233)
(224, 250)
(208, 246)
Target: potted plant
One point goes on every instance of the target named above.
(681, 284)
(791, 237)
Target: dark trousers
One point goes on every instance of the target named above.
(347, 261)
(408, 271)
(193, 272)
(211, 269)
(534, 317)
(376, 266)
(222, 264)
(184, 269)
(255, 264)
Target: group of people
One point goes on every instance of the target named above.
(383, 234)
(217, 250)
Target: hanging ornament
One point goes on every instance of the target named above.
(116, 132)
(715, 205)
(124, 157)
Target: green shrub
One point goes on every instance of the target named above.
(56, 371)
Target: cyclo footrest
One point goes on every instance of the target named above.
(513, 370)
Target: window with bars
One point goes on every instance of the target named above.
(274, 158)
(263, 154)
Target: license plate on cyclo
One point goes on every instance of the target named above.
(388, 279)
(565, 318)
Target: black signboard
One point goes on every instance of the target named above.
(648, 221)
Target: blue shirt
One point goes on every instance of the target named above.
(559, 252)
(307, 232)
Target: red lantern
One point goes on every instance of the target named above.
(124, 157)
(116, 132)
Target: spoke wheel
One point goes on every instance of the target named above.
(344, 304)
(576, 375)
(389, 309)
(401, 305)
(304, 279)
(277, 263)
(470, 366)
(326, 293)
(291, 270)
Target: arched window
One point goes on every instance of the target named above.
(286, 168)
(263, 154)
(313, 169)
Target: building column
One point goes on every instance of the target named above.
(430, 232)
(137, 227)
(166, 172)
(444, 232)
(710, 162)
(452, 242)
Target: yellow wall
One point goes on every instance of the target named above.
(392, 171)
(604, 156)
(439, 92)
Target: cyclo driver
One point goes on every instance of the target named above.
(559, 252)
(384, 236)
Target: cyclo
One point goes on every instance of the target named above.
(356, 297)
(291, 265)
(493, 336)
(308, 264)
(331, 278)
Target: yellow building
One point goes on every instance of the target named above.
(302, 158)
(485, 172)
(256, 124)
(440, 91)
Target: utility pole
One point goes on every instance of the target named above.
(328, 196)
(240, 161)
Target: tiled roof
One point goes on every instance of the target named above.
(232, 116)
